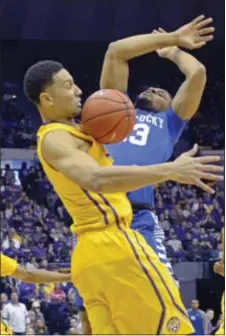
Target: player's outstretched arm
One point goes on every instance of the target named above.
(188, 97)
(61, 151)
(39, 275)
(115, 71)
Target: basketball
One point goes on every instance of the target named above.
(108, 116)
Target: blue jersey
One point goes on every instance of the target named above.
(199, 321)
(151, 142)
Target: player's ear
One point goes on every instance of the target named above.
(45, 99)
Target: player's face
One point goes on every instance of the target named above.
(155, 99)
(62, 99)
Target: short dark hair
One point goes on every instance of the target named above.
(38, 76)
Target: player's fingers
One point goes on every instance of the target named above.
(211, 168)
(205, 38)
(203, 23)
(206, 31)
(161, 30)
(193, 151)
(155, 31)
(198, 19)
(208, 159)
(205, 187)
(211, 177)
(199, 45)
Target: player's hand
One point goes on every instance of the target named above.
(164, 52)
(219, 268)
(195, 34)
(193, 170)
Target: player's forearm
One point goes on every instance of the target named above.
(125, 178)
(139, 45)
(187, 64)
(40, 276)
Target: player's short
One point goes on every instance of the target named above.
(146, 223)
(122, 282)
(5, 329)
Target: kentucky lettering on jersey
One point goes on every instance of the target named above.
(151, 119)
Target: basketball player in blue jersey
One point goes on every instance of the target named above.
(160, 122)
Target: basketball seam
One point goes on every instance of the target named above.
(98, 116)
(118, 93)
(112, 130)
(127, 110)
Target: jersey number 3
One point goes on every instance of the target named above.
(140, 137)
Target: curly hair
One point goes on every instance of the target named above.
(38, 77)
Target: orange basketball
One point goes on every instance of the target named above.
(108, 116)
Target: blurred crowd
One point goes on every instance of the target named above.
(16, 128)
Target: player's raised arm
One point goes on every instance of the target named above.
(188, 97)
(115, 71)
(63, 153)
(39, 275)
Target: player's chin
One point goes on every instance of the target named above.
(78, 110)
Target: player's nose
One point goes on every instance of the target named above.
(78, 91)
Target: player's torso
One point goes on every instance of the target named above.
(89, 210)
(149, 143)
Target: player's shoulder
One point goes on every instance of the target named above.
(58, 142)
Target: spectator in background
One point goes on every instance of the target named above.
(37, 312)
(210, 317)
(9, 175)
(57, 295)
(194, 251)
(30, 331)
(4, 300)
(40, 328)
(164, 223)
(175, 244)
(198, 318)
(32, 319)
(23, 172)
(15, 315)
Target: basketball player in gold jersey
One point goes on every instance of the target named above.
(10, 267)
(219, 268)
(118, 275)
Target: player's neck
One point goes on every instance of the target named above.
(70, 122)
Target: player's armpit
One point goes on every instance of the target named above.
(115, 73)
(188, 97)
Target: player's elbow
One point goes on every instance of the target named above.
(98, 181)
(114, 50)
(92, 181)
(200, 73)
